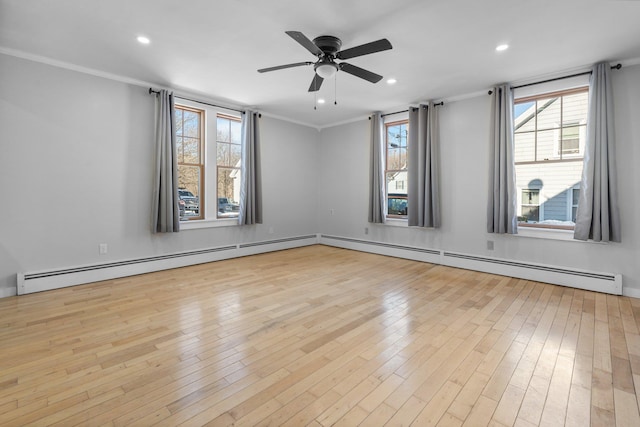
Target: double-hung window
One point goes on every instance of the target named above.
(549, 136)
(396, 138)
(208, 150)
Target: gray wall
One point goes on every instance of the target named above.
(76, 169)
(344, 152)
(76, 154)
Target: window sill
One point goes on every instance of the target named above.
(545, 233)
(396, 222)
(208, 223)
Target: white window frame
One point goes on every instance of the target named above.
(210, 167)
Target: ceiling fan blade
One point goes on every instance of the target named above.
(360, 72)
(365, 49)
(315, 83)
(281, 67)
(305, 42)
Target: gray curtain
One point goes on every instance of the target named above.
(423, 167)
(501, 208)
(598, 217)
(166, 215)
(377, 208)
(251, 190)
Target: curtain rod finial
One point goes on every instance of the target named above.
(490, 92)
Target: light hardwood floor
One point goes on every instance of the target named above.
(319, 336)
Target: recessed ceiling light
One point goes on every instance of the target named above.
(320, 101)
(502, 47)
(391, 81)
(143, 40)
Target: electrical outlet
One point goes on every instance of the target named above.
(270, 230)
(490, 245)
(331, 211)
(103, 248)
(366, 230)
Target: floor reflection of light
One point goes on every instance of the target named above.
(397, 308)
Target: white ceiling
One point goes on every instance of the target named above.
(441, 48)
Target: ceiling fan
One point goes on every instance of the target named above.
(327, 49)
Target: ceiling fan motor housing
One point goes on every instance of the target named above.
(330, 45)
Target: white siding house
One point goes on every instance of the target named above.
(550, 134)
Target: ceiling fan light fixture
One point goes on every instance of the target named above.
(326, 70)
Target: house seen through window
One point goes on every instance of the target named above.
(396, 134)
(549, 136)
(209, 170)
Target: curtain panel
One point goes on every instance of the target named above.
(502, 204)
(165, 211)
(377, 208)
(251, 190)
(598, 216)
(423, 167)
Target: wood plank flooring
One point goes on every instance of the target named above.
(319, 336)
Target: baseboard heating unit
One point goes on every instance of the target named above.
(593, 281)
(60, 278)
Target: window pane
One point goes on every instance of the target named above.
(548, 113)
(548, 140)
(178, 119)
(189, 191)
(574, 108)
(191, 124)
(223, 129)
(393, 159)
(191, 150)
(397, 204)
(235, 155)
(236, 131)
(524, 117)
(525, 146)
(179, 150)
(222, 156)
(228, 192)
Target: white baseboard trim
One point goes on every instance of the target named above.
(7, 292)
(557, 275)
(631, 292)
(60, 278)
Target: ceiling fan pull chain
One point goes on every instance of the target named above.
(335, 89)
(315, 101)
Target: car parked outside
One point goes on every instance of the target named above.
(227, 208)
(397, 204)
(191, 202)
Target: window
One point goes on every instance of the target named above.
(209, 170)
(228, 158)
(530, 205)
(549, 138)
(190, 152)
(396, 168)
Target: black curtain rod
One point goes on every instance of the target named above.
(199, 102)
(615, 67)
(406, 111)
